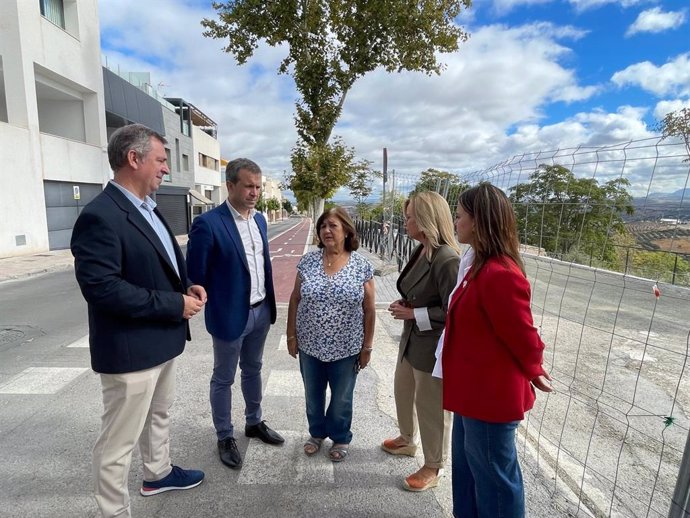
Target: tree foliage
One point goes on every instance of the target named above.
(272, 204)
(677, 124)
(569, 216)
(446, 184)
(287, 206)
(307, 180)
(330, 44)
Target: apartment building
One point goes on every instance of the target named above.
(52, 121)
(206, 192)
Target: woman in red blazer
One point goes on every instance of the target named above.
(492, 359)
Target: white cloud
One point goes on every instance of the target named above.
(664, 107)
(488, 105)
(656, 20)
(583, 5)
(504, 6)
(672, 78)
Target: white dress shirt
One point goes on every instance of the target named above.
(465, 264)
(254, 250)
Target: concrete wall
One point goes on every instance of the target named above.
(206, 178)
(179, 145)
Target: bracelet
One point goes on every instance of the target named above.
(291, 338)
(367, 349)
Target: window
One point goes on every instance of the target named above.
(54, 11)
(185, 162)
(62, 13)
(208, 162)
(167, 177)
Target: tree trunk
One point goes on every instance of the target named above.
(317, 207)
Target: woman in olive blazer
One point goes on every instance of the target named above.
(425, 285)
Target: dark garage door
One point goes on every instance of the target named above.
(62, 209)
(173, 206)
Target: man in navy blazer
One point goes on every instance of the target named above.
(132, 274)
(227, 252)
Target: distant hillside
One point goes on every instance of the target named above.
(662, 205)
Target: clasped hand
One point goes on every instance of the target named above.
(401, 310)
(194, 301)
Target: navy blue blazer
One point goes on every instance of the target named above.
(216, 259)
(133, 293)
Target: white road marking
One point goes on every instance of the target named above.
(279, 249)
(284, 231)
(82, 342)
(292, 252)
(41, 380)
(285, 382)
(264, 465)
(282, 345)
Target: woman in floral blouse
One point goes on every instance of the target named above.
(331, 325)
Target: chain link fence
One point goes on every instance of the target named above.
(609, 296)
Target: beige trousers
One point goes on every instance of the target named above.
(135, 409)
(419, 398)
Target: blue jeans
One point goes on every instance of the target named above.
(487, 481)
(249, 350)
(334, 422)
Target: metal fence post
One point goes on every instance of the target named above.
(680, 504)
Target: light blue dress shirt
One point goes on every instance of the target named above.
(146, 207)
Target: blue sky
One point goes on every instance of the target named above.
(534, 75)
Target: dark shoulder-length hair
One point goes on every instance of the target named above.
(495, 228)
(351, 238)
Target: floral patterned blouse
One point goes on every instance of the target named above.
(330, 316)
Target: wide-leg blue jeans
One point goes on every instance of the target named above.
(487, 481)
(335, 421)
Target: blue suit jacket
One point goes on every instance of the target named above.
(132, 290)
(216, 259)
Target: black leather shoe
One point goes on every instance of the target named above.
(263, 432)
(229, 454)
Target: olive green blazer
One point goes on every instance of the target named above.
(426, 284)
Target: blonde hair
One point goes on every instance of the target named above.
(434, 220)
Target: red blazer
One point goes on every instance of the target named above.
(492, 349)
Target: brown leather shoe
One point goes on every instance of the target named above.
(391, 446)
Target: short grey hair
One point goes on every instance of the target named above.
(232, 170)
(135, 137)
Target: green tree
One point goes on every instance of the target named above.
(261, 203)
(661, 266)
(307, 180)
(361, 187)
(272, 204)
(677, 124)
(571, 217)
(287, 206)
(446, 184)
(332, 43)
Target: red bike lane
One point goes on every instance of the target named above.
(286, 250)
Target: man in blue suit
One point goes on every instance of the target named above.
(227, 253)
(133, 277)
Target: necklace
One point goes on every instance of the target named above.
(330, 261)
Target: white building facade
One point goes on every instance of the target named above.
(52, 121)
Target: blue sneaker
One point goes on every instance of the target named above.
(178, 478)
